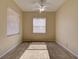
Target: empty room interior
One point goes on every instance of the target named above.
(38, 29)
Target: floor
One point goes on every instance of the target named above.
(39, 50)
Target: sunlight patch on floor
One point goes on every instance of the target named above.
(36, 50)
(35, 54)
(37, 45)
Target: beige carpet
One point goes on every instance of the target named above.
(36, 51)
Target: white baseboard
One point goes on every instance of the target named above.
(9, 49)
(67, 49)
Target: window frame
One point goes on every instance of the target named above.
(12, 11)
(45, 25)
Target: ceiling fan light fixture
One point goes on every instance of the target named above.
(42, 9)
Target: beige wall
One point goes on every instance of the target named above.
(66, 26)
(6, 42)
(28, 35)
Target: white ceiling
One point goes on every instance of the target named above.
(28, 5)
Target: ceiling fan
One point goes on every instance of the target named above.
(40, 5)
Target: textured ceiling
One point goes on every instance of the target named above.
(29, 5)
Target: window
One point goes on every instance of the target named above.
(39, 25)
(12, 22)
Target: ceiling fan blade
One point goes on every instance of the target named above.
(44, 6)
